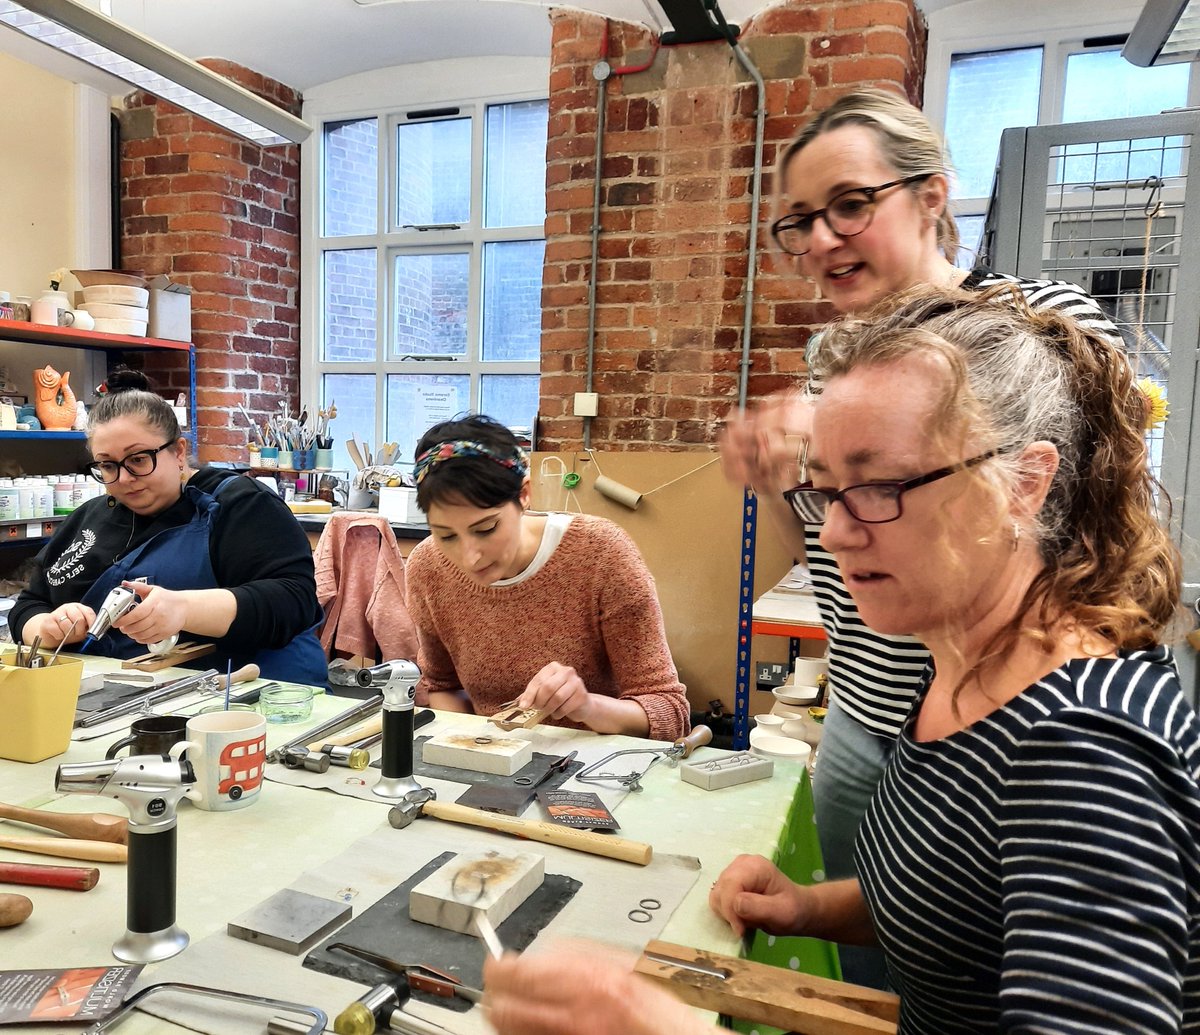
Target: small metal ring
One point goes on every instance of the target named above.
(650, 903)
(483, 740)
(640, 916)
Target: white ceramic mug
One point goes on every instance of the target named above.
(228, 751)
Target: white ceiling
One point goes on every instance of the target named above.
(304, 43)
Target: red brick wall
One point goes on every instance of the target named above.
(676, 201)
(220, 214)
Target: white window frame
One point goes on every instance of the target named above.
(967, 28)
(387, 95)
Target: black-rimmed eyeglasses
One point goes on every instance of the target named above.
(137, 464)
(848, 214)
(872, 503)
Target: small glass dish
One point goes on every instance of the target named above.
(287, 703)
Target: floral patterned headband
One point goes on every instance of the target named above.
(518, 462)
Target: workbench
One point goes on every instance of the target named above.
(230, 862)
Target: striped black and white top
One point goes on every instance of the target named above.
(873, 676)
(1039, 872)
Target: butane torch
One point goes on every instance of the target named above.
(119, 602)
(150, 787)
(398, 680)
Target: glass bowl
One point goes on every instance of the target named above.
(287, 703)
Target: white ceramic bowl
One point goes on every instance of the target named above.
(112, 311)
(137, 328)
(771, 746)
(796, 695)
(90, 278)
(117, 293)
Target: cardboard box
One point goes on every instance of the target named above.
(38, 705)
(170, 310)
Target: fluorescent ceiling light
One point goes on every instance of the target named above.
(1166, 31)
(99, 41)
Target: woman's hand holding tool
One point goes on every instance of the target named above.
(764, 448)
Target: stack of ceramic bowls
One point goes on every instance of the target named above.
(116, 299)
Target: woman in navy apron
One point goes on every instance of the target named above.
(213, 557)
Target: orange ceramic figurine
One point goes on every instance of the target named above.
(54, 402)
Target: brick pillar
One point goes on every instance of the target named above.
(676, 202)
(220, 214)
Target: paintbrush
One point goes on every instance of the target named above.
(487, 934)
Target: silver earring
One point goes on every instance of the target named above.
(1016, 536)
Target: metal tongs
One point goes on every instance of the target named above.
(682, 748)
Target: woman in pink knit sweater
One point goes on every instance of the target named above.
(555, 611)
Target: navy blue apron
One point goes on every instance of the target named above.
(178, 558)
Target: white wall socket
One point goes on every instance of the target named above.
(587, 404)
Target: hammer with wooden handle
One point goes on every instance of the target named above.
(72, 878)
(422, 802)
(68, 848)
(91, 826)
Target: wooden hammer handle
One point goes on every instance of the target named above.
(68, 848)
(90, 826)
(72, 878)
(547, 833)
(369, 728)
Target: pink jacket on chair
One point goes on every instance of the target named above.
(360, 583)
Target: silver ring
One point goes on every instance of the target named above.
(639, 916)
(63, 618)
(650, 903)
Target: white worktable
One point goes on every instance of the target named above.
(230, 862)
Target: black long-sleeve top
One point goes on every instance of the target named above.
(257, 550)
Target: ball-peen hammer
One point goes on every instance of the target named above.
(423, 802)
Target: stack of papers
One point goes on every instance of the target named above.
(789, 600)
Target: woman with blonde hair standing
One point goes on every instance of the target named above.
(863, 213)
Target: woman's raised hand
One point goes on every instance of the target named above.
(762, 448)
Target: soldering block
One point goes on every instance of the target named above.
(482, 749)
(727, 771)
(488, 882)
(290, 921)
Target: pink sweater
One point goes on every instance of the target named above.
(591, 606)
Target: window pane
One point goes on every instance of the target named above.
(515, 164)
(350, 305)
(988, 93)
(511, 398)
(354, 396)
(433, 172)
(512, 300)
(1103, 85)
(416, 402)
(430, 305)
(970, 229)
(350, 185)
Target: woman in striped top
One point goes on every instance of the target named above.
(864, 191)
(1031, 859)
